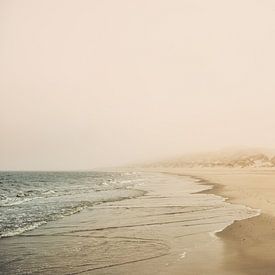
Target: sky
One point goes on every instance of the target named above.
(87, 84)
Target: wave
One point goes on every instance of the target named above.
(11, 201)
(21, 230)
(18, 229)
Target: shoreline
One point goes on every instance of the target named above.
(161, 232)
(243, 247)
(165, 231)
(249, 245)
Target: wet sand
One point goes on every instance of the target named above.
(249, 245)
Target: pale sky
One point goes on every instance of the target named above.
(90, 83)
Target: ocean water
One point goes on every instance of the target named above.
(30, 199)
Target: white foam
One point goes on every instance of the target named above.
(21, 230)
(256, 212)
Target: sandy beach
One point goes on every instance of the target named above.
(249, 245)
(168, 230)
(137, 137)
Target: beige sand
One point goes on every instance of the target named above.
(249, 245)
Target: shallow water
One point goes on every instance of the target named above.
(30, 199)
(164, 226)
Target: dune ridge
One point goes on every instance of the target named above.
(253, 158)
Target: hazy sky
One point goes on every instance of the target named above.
(88, 83)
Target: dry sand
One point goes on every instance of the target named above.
(249, 245)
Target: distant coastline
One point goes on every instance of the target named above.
(253, 158)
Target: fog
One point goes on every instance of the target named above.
(86, 84)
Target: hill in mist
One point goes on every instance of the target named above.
(253, 158)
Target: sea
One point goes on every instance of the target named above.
(31, 199)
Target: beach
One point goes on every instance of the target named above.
(165, 225)
(248, 244)
(179, 223)
(137, 137)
